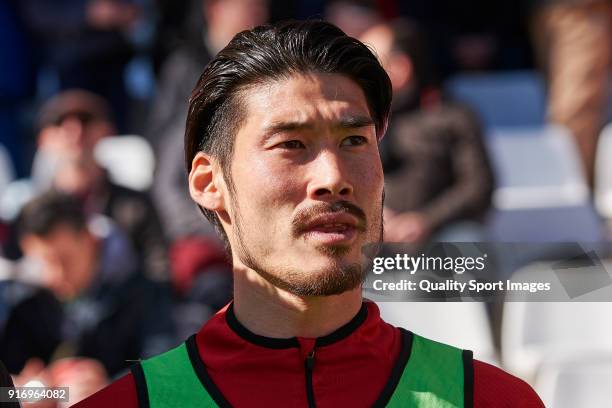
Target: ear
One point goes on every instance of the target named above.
(206, 184)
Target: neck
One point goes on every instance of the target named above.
(272, 312)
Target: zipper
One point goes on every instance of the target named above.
(309, 365)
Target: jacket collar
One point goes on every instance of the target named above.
(275, 343)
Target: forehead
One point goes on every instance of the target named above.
(61, 238)
(304, 97)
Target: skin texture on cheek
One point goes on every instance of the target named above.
(261, 199)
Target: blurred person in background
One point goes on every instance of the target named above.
(438, 181)
(573, 44)
(203, 285)
(176, 23)
(85, 43)
(70, 125)
(109, 312)
(22, 298)
(220, 21)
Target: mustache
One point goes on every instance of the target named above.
(303, 218)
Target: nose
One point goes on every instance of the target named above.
(329, 177)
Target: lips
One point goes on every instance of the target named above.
(332, 222)
(332, 228)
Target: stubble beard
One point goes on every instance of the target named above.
(340, 277)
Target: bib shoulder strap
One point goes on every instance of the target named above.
(170, 380)
(433, 375)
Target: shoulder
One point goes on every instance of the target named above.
(495, 387)
(121, 392)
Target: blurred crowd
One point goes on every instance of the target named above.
(104, 257)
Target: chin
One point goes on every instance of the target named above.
(335, 258)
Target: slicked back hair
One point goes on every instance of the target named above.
(268, 53)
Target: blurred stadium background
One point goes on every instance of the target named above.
(501, 131)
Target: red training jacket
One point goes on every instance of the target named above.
(351, 368)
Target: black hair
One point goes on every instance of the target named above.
(267, 53)
(41, 215)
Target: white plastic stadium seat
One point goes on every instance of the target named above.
(13, 197)
(535, 332)
(584, 382)
(536, 168)
(603, 173)
(129, 160)
(541, 193)
(7, 173)
(460, 324)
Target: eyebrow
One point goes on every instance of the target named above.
(348, 122)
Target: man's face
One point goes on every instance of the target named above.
(74, 137)
(398, 65)
(67, 258)
(307, 184)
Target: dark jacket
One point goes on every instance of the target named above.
(6, 381)
(179, 214)
(137, 216)
(438, 166)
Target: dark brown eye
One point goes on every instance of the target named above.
(292, 144)
(354, 141)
